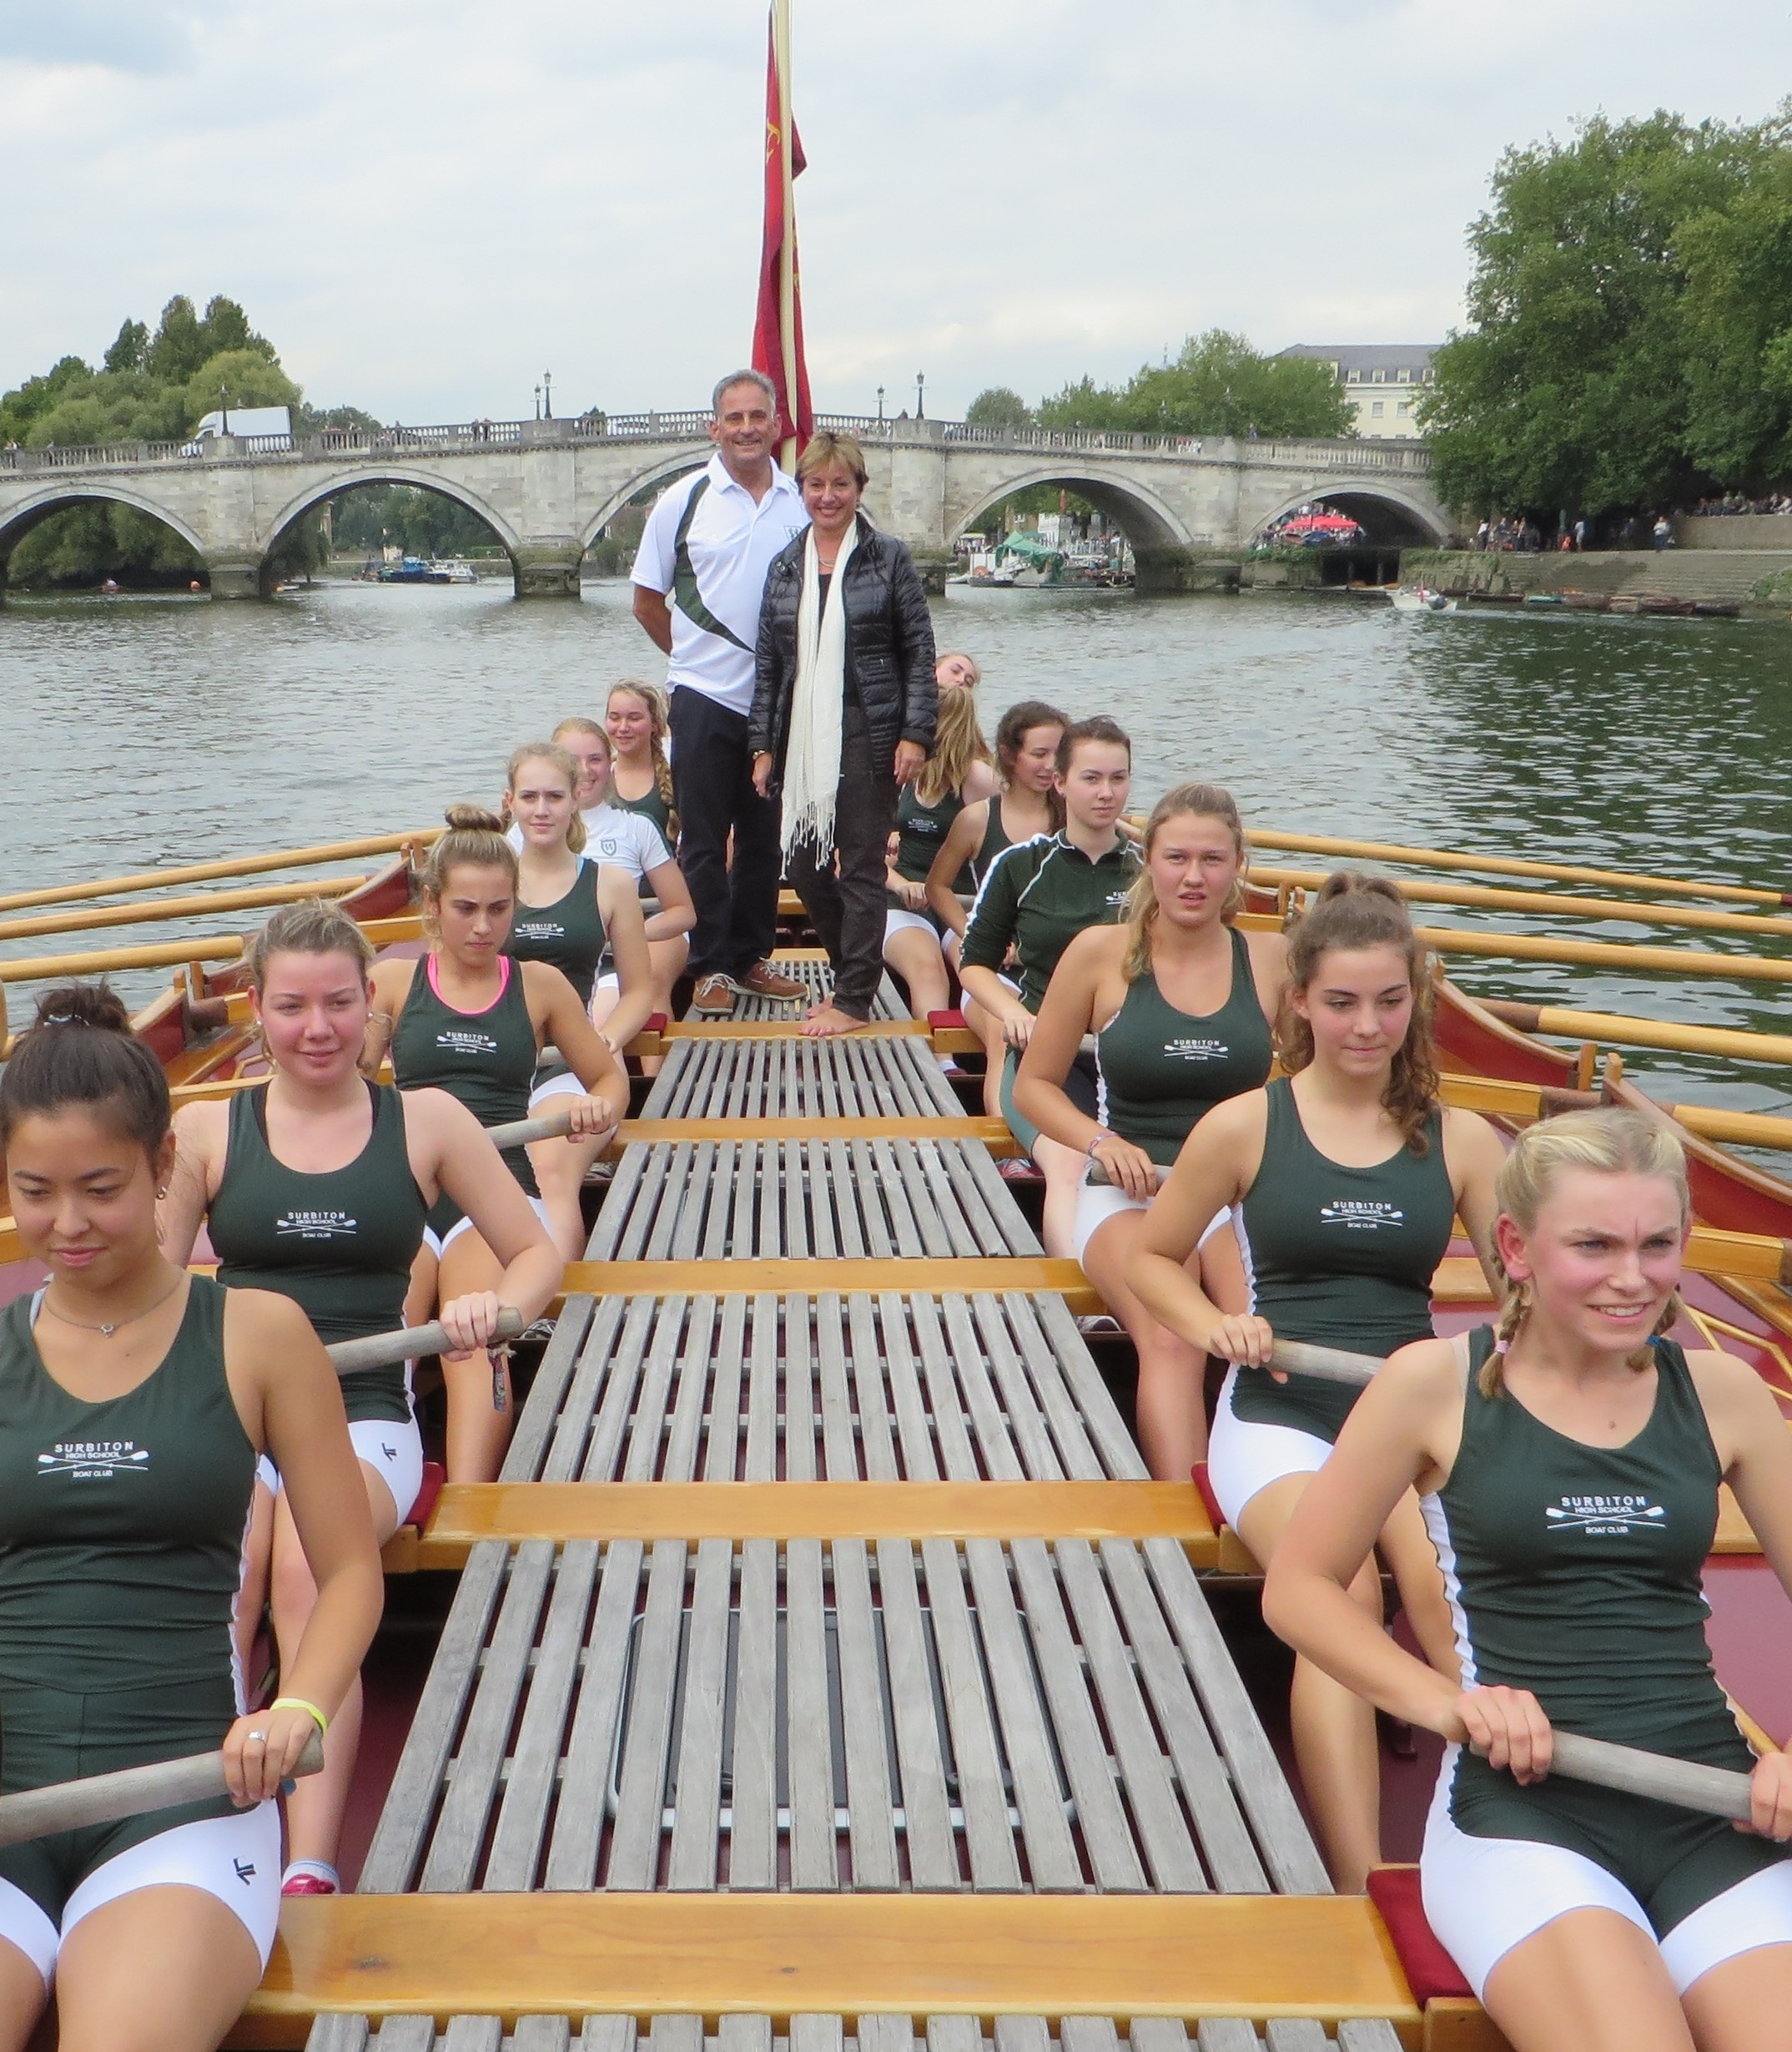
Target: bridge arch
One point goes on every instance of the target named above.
(669, 465)
(1385, 506)
(373, 472)
(73, 490)
(1149, 521)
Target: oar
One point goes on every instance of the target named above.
(1717, 1791)
(352, 1357)
(1509, 865)
(550, 1126)
(106, 1798)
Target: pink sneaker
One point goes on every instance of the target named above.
(307, 1877)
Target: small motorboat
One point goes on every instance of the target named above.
(1421, 598)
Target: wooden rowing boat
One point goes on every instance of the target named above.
(910, 1392)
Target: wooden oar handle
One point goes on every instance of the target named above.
(106, 1798)
(1099, 1177)
(550, 1126)
(1295, 1357)
(352, 1357)
(1715, 1791)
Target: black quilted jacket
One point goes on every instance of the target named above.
(889, 646)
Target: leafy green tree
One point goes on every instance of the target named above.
(129, 348)
(1575, 385)
(178, 345)
(22, 406)
(998, 406)
(1217, 384)
(237, 377)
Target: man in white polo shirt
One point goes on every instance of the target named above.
(699, 577)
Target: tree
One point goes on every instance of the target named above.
(1216, 385)
(1573, 388)
(997, 407)
(178, 346)
(237, 377)
(131, 347)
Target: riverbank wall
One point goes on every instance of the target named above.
(1760, 580)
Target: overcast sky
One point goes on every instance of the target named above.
(424, 206)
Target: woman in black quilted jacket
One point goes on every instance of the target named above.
(842, 715)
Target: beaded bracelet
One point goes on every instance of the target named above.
(298, 1702)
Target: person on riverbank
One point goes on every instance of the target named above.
(843, 714)
(570, 911)
(1035, 899)
(1026, 759)
(628, 839)
(1347, 1174)
(1571, 1456)
(699, 577)
(640, 780)
(958, 773)
(316, 1184)
(1180, 1004)
(135, 1400)
(469, 1019)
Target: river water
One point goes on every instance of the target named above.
(142, 731)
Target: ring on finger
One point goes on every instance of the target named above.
(259, 1739)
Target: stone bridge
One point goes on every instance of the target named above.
(547, 488)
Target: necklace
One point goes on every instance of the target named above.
(106, 1332)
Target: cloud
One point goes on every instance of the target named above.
(424, 211)
(120, 35)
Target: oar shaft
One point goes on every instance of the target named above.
(550, 1126)
(1716, 1791)
(353, 1357)
(1295, 1357)
(105, 1798)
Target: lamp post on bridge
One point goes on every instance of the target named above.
(920, 389)
(880, 405)
(538, 402)
(547, 394)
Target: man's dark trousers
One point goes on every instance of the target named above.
(736, 908)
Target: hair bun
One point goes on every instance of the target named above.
(1355, 883)
(473, 819)
(86, 1004)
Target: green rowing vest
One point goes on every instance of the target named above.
(340, 1244)
(1161, 1071)
(122, 1524)
(568, 933)
(1341, 1257)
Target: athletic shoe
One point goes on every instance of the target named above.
(714, 997)
(310, 1877)
(1098, 1321)
(763, 980)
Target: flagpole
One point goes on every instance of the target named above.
(787, 255)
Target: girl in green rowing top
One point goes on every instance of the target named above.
(468, 1019)
(627, 837)
(1033, 900)
(637, 721)
(957, 774)
(569, 910)
(1181, 1003)
(1570, 1458)
(1026, 760)
(135, 1399)
(316, 1183)
(1345, 1175)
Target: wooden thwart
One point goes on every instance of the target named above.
(514, 1512)
(960, 1276)
(510, 1955)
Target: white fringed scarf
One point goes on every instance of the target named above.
(818, 703)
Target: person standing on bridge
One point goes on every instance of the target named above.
(699, 577)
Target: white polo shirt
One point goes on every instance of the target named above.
(731, 542)
(615, 838)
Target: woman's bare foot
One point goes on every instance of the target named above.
(826, 1020)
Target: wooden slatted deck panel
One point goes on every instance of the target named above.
(849, 2033)
(939, 1721)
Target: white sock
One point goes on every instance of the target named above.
(314, 1869)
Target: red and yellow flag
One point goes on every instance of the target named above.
(778, 329)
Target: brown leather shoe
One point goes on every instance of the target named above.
(714, 997)
(763, 980)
